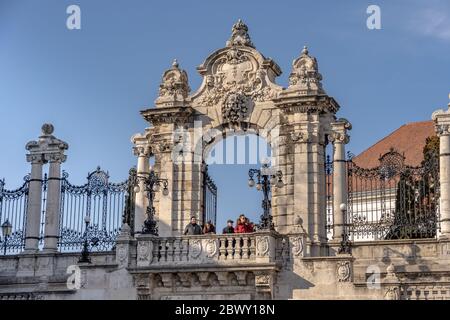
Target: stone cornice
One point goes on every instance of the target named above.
(168, 115)
(306, 104)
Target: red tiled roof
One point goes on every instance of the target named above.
(408, 140)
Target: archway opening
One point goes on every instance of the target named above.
(227, 164)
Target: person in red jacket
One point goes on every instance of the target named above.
(243, 225)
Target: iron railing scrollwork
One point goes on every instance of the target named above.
(104, 202)
(13, 207)
(393, 200)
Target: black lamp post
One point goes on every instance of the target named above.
(85, 253)
(265, 180)
(152, 184)
(6, 230)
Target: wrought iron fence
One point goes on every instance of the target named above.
(393, 200)
(13, 208)
(102, 201)
(209, 198)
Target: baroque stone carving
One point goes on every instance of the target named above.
(174, 83)
(297, 246)
(195, 248)
(237, 69)
(211, 248)
(239, 35)
(392, 293)
(262, 280)
(144, 251)
(343, 271)
(305, 74)
(235, 108)
(122, 253)
(262, 247)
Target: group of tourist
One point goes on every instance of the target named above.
(243, 225)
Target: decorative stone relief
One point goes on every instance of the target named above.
(262, 247)
(174, 83)
(263, 280)
(297, 246)
(144, 252)
(122, 253)
(211, 248)
(235, 108)
(392, 293)
(299, 136)
(239, 35)
(343, 271)
(195, 249)
(305, 74)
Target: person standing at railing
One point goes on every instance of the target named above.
(243, 225)
(229, 228)
(209, 228)
(193, 228)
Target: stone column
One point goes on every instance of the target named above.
(33, 217)
(442, 122)
(339, 138)
(46, 148)
(142, 151)
(53, 209)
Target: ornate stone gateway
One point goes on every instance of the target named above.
(239, 94)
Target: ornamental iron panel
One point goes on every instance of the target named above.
(13, 207)
(104, 202)
(393, 200)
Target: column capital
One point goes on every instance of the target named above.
(55, 157)
(142, 151)
(35, 158)
(339, 131)
(441, 120)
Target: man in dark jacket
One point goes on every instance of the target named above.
(229, 228)
(193, 228)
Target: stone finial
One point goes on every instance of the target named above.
(47, 129)
(47, 147)
(305, 74)
(174, 85)
(239, 35)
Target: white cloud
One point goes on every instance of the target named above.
(433, 22)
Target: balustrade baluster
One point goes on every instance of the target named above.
(163, 250)
(238, 247)
(184, 250)
(245, 248)
(170, 248)
(230, 248)
(223, 248)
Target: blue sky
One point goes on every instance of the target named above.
(92, 83)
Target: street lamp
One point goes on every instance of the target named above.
(265, 180)
(152, 185)
(346, 244)
(85, 253)
(6, 231)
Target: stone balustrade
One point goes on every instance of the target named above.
(208, 249)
